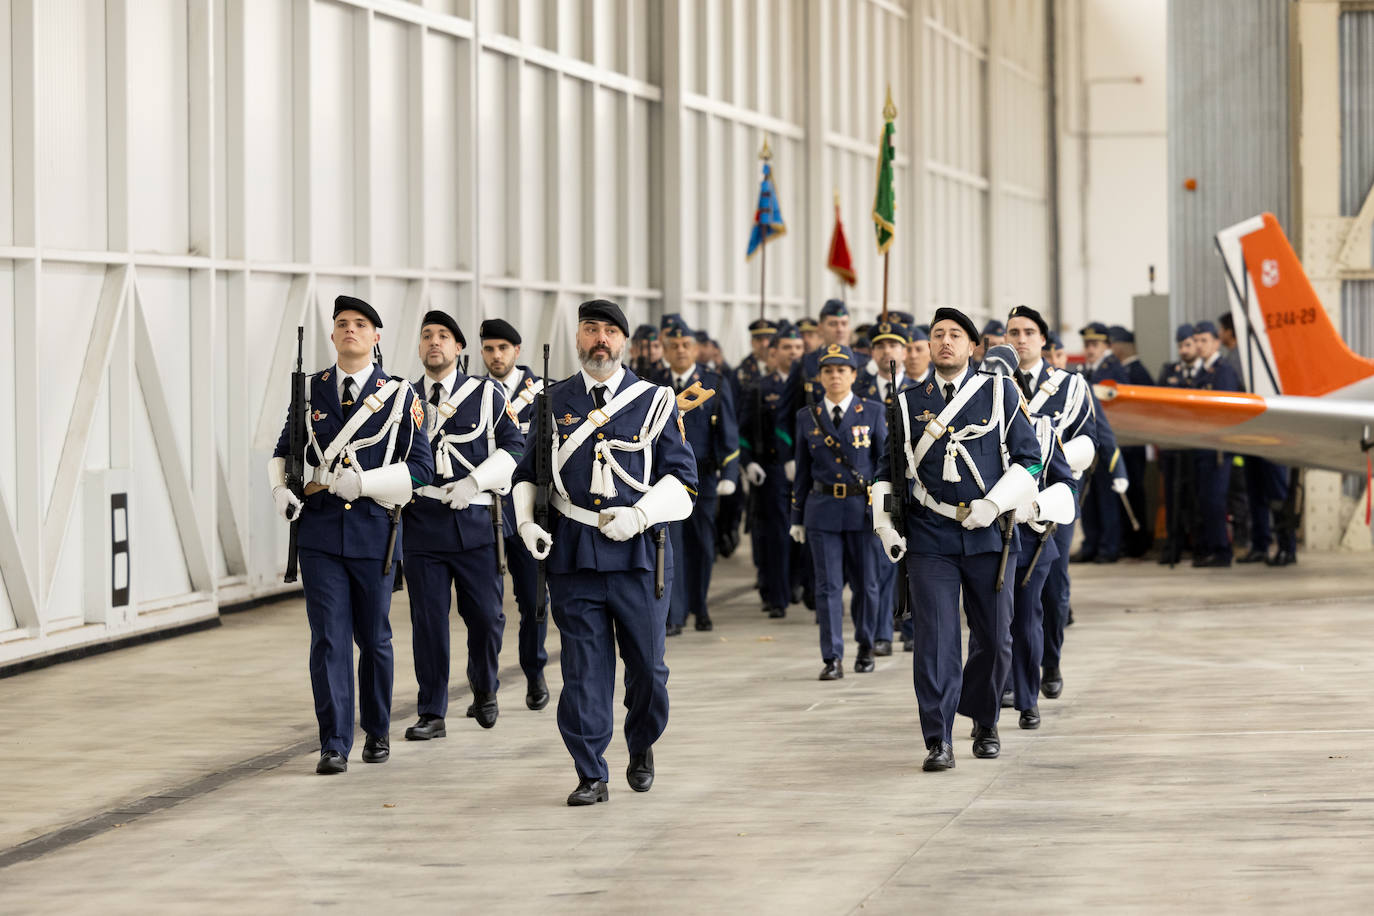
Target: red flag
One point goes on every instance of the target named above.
(838, 259)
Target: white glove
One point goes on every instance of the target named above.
(460, 493)
(981, 513)
(621, 523)
(288, 506)
(1024, 513)
(1120, 484)
(348, 484)
(894, 545)
(537, 541)
(754, 473)
(789, 471)
(725, 488)
(798, 532)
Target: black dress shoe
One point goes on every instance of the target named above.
(536, 692)
(1030, 718)
(986, 744)
(1052, 684)
(1215, 561)
(863, 664)
(331, 762)
(1169, 557)
(882, 647)
(940, 757)
(1008, 699)
(673, 630)
(589, 792)
(640, 772)
(377, 749)
(777, 613)
(483, 708)
(1103, 560)
(1282, 558)
(908, 645)
(704, 625)
(1068, 618)
(833, 670)
(1082, 557)
(809, 599)
(428, 727)
(1254, 556)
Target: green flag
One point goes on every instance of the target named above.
(885, 200)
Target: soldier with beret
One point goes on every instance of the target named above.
(622, 470)
(501, 354)
(840, 441)
(452, 527)
(366, 452)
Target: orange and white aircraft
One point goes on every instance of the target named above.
(1310, 401)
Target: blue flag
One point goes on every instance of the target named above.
(767, 217)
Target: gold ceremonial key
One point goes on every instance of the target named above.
(693, 396)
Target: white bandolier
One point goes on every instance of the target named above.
(490, 476)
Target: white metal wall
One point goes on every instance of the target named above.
(183, 181)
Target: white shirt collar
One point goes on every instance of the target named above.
(1130, 359)
(512, 381)
(1212, 360)
(359, 379)
(447, 382)
(958, 380)
(684, 378)
(843, 405)
(1034, 371)
(612, 384)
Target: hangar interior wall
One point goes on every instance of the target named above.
(182, 183)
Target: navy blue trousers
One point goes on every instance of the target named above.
(432, 578)
(1028, 628)
(523, 569)
(885, 575)
(1102, 517)
(694, 556)
(1054, 598)
(837, 557)
(596, 612)
(773, 547)
(942, 688)
(347, 600)
(1266, 484)
(1137, 542)
(1212, 472)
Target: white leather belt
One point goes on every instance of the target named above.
(576, 513)
(953, 513)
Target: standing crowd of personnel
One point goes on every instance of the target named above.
(927, 468)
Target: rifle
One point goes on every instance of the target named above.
(896, 500)
(751, 511)
(295, 456)
(543, 484)
(498, 528)
(1008, 523)
(394, 513)
(1045, 535)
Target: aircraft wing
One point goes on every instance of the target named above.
(1326, 433)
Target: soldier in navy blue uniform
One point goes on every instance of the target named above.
(804, 382)
(766, 446)
(1211, 469)
(500, 353)
(646, 350)
(365, 454)
(622, 470)
(1102, 504)
(450, 532)
(810, 331)
(755, 365)
(840, 443)
(972, 458)
(1137, 542)
(714, 437)
(918, 367)
(1175, 465)
(890, 340)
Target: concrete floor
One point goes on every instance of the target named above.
(1213, 751)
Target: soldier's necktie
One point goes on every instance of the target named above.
(349, 394)
(949, 392)
(599, 395)
(436, 393)
(836, 415)
(1025, 383)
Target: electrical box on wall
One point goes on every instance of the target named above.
(1154, 339)
(108, 541)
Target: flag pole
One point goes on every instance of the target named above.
(841, 279)
(765, 154)
(887, 256)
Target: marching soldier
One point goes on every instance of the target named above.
(500, 352)
(367, 450)
(918, 357)
(765, 444)
(804, 385)
(890, 341)
(453, 525)
(972, 458)
(755, 365)
(622, 470)
(1101, 505)
(714, 437)
(840, 445)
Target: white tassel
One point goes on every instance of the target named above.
(443, 465)
(603, 478)
(951, 472)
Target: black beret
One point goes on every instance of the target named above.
(603, 310)
(446, 320)
(959, 318)
(1025, 311)
(498, 329)
(352, 304)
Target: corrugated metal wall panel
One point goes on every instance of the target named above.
(1228, 129)
(1357, 108)
(1357, 315)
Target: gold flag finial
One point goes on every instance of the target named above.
(766, 153)
(837, 198)
(889, 110)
